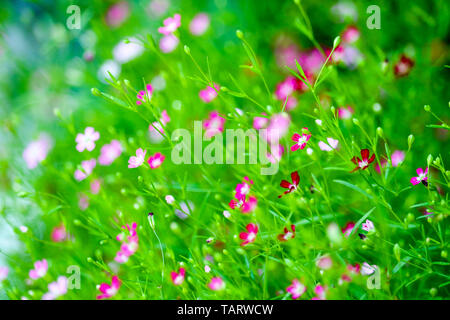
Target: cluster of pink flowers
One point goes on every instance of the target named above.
(144, 95)
(214, 124)
(243, 200)
(169, 41)
(129, 243)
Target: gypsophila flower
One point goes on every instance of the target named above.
(87, 140)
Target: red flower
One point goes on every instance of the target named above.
(249, 236)
(287, 235)
(364, 163)
(290, 186)
(403, 67)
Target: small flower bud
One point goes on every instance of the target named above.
(239, 34)
(151, 220)
(410, 217)
(429, 159)
(397, 252)
(380, 132)
(427, 108)
(355, 121)
(433, 292)
(187, 50)
(410, 141)
(333, 110)
(336, 42)
(444, 254)
(96, 92)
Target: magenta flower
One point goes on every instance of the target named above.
(37, 151)
(144, 95)
(332, 144)
(168, 43)
(199, 24)
(138, 160)
(260, 122)
(287, 235)
(296, 289)
(250, 235)
(290, 186)
(249, 205)
(348, 228)
(40, 269)
(320, 292)
(242, 189)
(216, 284)
(109, 153)
(422, 177)
(345, 112)
(368, 226)
(170, 25)
(87, 140)
(286, 88)
(56, 289)
(156, 160)
(59, 233)
(130, 243)
(214, 124)
(178, 277)
(397, 157)
(364, 162)
(209, 94)
(3, 273)
(109, 291)
(350, 34)
(300, 140)
(117, 14)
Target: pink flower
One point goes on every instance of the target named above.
(296, 289)
(348, 228)
(350, 34)
(137, 161)
(143, 95)
(37, 151)
(300, 140)
(156, 160)
(87, 140)
(260, 122)
(397, 157)
(403, 67)
(242, 189)
(95, 186)
(87, 166)
(178, 278)
(214, 124)
(286, 88)
(287, 235)
(117, 14)
(83, 202)
(216, 284)
(249, 236)
(345, 112)
(59, 233)
(364, 162)
(170, 25)
(368, 226)
(168, 43)
(422, 177)
(209, 94)
(3, 273)
(199, 24)
(368, 269)
(276, 151)
(156, 130)
(320, 292)
(324, 263)
(332, 144)
(109, 291)
(249, 205)
(157, 8)
(277, 129)
(109, 153)
(169, 199)
(56, 289)
(40, 269)
(290, 186)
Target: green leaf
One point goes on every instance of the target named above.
(356, 188)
